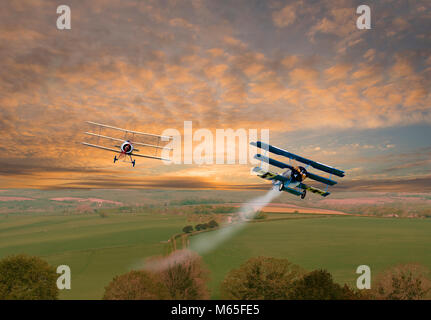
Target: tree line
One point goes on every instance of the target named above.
(183, 276)
(201, 226)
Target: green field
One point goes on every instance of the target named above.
(95, 248)
(339, 244)
(98, 248)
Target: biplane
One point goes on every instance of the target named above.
(292, 179)
(125, 147)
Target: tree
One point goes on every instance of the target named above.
(204, 226)
(179, 276)
(198, 227)
(136, 285)
(213, 224)
(319, 285)
(24, 277)
(261, 278)
(188, 229)
(403, 282)
(184, 275)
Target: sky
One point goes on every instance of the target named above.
(355, 99)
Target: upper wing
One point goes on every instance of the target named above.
(283, 165)
(122, 140)
(130, 131)
(100, 147)
(118, 151)
(321, 179)
(273, 162)
(314, 164)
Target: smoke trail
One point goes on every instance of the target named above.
(155, 264)
(211, 240)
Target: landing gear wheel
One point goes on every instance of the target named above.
(133, 163)
(303, 194)
(280, 187)
(115, 159)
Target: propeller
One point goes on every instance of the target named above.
(299, 173)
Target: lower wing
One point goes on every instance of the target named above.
(268, 175)
(118, 151)
(100, 147)
(314, 190)
(147, 156)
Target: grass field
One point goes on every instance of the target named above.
(95, 248)
(339, 244)
(98, 248)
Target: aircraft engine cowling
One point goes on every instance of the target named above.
(299, 174)
(127, 147)
(303, 171)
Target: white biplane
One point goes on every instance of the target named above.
(126, 148)
(292, 179)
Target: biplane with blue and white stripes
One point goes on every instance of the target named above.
(292, 179)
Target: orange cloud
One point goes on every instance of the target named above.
(149, 67)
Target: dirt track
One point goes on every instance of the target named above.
(287, 208)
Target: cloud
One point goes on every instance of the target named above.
(285, 16)
(421, 184)
(339, 22)
(150, 183)
(20, 166)
(150, 66)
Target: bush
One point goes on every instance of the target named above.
(261, 278)
(259, 215)
(188, 229)
(213, 224)
(403, 282)
(136, 285)
(204, 226)
(24, 277)
(319, 285)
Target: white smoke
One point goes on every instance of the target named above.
(162, 263)
(210, 240)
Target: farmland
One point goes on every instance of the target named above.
(95, 248)
(100, 234)
(338, 244)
